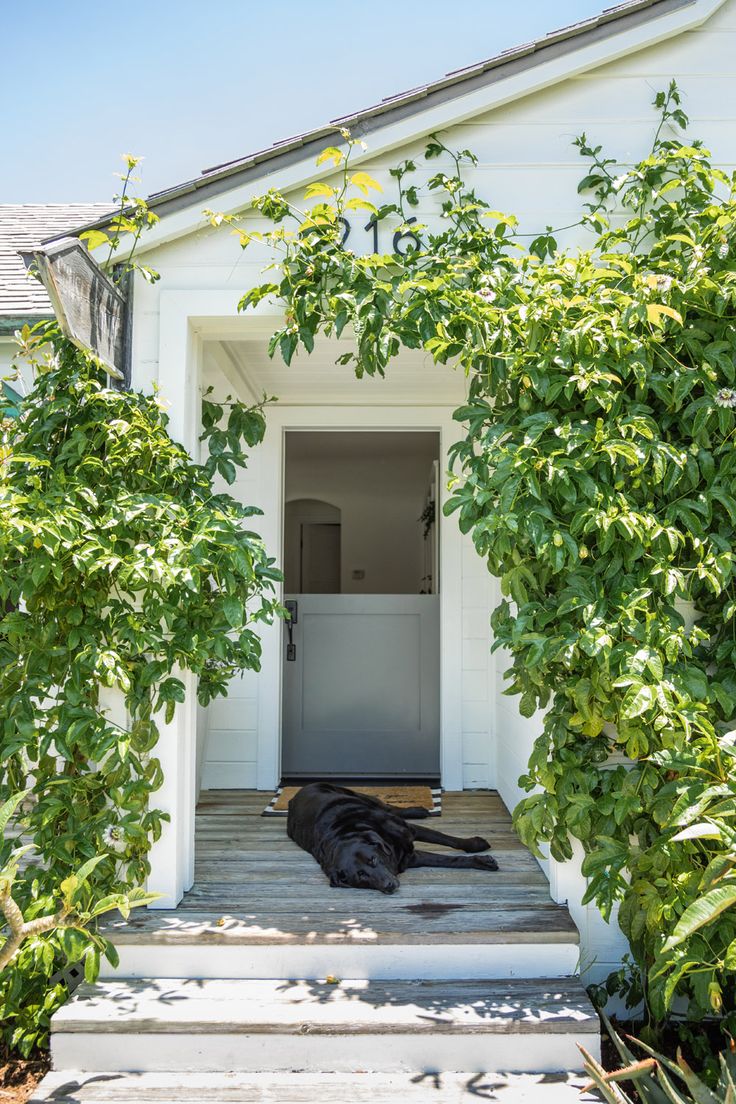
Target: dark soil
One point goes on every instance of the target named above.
(19, 1076)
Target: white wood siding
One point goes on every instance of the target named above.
(528, 166)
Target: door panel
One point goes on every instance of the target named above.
(362, 695)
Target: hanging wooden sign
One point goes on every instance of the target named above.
(90, 309)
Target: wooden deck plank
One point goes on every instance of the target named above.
(254, 928)
(270, 892)
(266, 892)
(223, 1006)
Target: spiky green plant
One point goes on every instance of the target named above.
(652, 1077)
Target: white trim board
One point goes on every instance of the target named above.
(283, 419)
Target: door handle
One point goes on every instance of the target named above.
(292, 608)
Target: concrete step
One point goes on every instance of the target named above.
(77, 1087)
(393, 938)
(219, 1025)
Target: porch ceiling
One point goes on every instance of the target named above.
(316, 380)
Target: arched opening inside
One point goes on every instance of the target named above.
(312, 547)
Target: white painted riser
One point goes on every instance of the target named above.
(384, 962)
(173, 1087)
(339, 1053)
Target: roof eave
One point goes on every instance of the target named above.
(9, 323)
(526, 69)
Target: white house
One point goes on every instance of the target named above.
(392, 675)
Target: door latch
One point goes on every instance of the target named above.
(293, 610)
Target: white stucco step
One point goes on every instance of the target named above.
(249, 1025)
(77, 1087)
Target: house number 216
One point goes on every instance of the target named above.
(405, 236)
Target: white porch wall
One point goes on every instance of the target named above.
(528, 166)
(8, 349)
(7, 352)
(229, 726)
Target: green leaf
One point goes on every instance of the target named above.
(86, 868)
(94, 238)
(637, 700)
(91, 965)
(8, 808)
(655, 312)
(703, 830)
(74, 943)
(365, 182)
(702, 912)
(358, 204)
(319, 189)
(332, 153)
(233, 608)
(111, 954)
(700, 1091)
(68, 889)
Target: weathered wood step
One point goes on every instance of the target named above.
(431, 923)
(219, 1025)
(263, 893)
(241, 873)
(351, 934)
(110, 1087)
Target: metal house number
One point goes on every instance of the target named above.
(405, 236)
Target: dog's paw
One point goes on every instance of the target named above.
(485, 862)
(476, 843)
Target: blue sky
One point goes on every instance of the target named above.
(191, 83)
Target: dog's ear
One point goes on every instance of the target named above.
(380, 843)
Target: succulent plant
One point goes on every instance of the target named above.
(659, 1080)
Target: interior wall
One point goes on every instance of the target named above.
(378, 482)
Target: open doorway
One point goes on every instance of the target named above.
(361, 565)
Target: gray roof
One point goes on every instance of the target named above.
(24, 226)
(458, 83)
(556, 44)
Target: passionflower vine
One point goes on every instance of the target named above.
(726, 397)
(114, 838)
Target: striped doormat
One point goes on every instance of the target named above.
(404, 796)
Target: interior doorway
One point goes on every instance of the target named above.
(361, 565)
(312, 546)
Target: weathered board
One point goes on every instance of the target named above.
(90, 309)
(254, 887)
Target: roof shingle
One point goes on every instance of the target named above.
(25, 226)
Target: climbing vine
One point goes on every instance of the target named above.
(597, 477)
(122, 565)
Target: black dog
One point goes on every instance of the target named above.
(360, 841)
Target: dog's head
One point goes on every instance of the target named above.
(364, 862)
